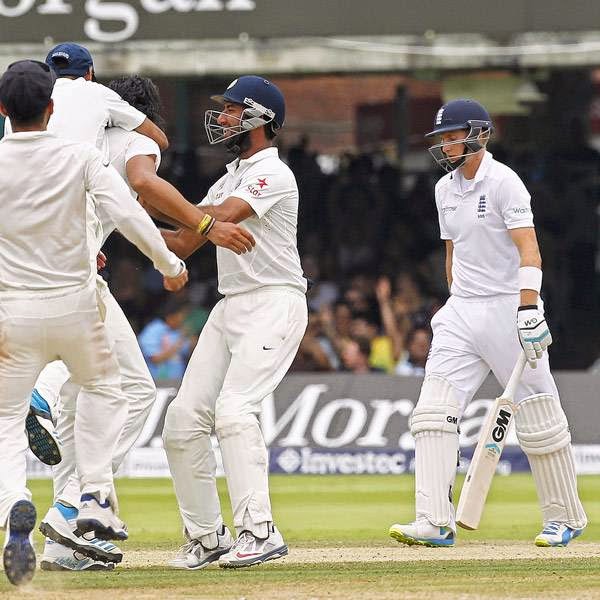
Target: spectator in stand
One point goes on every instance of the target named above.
(164, 344)
(355, 356)
(417, 344)
(316, 352)
(381, 353)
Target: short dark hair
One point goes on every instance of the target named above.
(141, 93)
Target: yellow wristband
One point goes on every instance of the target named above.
(204, 223)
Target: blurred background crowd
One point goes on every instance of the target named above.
(369, 241)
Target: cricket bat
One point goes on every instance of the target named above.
(487, 453)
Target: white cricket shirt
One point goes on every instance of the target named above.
(46, 185)
(477, 215)
(266, 183)
(83, 109)
(122, 146)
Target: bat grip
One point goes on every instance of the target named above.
(515, 376)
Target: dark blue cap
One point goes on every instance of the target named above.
(26, 88)
(69, 59)
(460, 114)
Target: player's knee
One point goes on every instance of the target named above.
(183, 425)
(541, 425)
(227, 425)
(437, 408)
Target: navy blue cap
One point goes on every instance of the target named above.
(25, 89)
(69, 59)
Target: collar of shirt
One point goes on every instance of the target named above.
(64, 81)
(242, 162)
(470, 184)
(28, 135)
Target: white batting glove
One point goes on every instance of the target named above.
(534, 334)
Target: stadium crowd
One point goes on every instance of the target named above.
(369, 241)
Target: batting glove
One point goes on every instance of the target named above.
(534, 334)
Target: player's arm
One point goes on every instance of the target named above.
(532, 328)
(109, 191)
(526, 242)
(449, 252)
(154, 132)
(185, 242)
(170, 206)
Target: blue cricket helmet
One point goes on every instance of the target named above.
(459, 114)
(253, 91)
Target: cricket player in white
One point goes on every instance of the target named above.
(248, 342)
(493, 266)
(49, 304)
(136, 158)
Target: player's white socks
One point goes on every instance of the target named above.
(543, 433)
(436, 455)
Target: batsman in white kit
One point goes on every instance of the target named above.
(50, 308)
(493, 267)
(248, 342)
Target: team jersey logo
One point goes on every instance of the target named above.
(256, 188)
(438, 117)
(481, 207)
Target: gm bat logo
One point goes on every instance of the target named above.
(502, 425)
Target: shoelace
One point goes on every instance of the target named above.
(243, 540)
(188, 547)
(551, 527)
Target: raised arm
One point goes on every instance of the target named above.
(154, 132)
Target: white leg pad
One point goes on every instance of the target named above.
(434, 425)
(543, 433)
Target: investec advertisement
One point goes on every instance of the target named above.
(345, 424)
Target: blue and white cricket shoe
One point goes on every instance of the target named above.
(19, 556)
(100, 518)
(556, 534)
(39, 425)
(423, 533)
(60, 525)
(61, 558)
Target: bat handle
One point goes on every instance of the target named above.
(515, 376)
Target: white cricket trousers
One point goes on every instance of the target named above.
(472, 336)
(243, 352)
(35, 330)
(137, 385)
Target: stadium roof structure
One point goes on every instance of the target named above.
(202, 37)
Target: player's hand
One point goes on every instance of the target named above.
(174, 284)
(534, 334)
(231, 236)
(100, 261)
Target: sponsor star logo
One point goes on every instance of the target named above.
(262, 182)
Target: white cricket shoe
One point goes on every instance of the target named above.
(193, 555)
(556, 534)
(61, 558)
(422, 533)
(19, 556)
(60, 525)
(100, 518)
(249, 550)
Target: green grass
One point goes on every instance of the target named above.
(316, 511)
